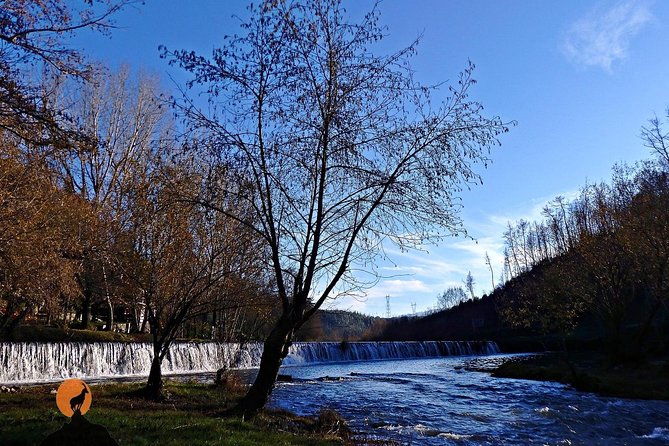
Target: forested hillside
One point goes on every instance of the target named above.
(605, 255)
(337, 325)
(594, 272)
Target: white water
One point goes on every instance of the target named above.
(317, 352)
(30, 362)
(440, 401)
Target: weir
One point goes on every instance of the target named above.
(31, 362)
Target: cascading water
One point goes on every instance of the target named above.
(34, 362)
(25, 362)
(315, 352)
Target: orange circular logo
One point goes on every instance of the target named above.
(73, 395)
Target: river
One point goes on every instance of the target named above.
(419, 393)
(441, 401)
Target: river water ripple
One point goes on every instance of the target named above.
(438, 401)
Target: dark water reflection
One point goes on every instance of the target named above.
(439, 401)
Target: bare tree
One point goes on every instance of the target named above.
(34, 34)
(656, 139)
(37, 30)
(339, 150)
(451, 297)
(127, 125)
(469, 284)
(187, 256)
(492, 275)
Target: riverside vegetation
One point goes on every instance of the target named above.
(592, 372)
(590, 280)
(173, 239)
(234, 206)
(190, 413)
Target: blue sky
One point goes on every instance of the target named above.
(579, 77)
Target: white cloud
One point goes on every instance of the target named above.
(532, 211)
(419, 263)
(603, 36)
(372, 301)
(478, 248)
(419, 276)
(398, 287)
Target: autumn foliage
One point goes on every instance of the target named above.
(603, 255)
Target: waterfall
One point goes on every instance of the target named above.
(314, 352)
(28, 362)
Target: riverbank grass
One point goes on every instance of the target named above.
(39, 333)
(190, 414)
(592, 372)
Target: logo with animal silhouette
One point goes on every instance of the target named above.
(73, 399)
(73, 396)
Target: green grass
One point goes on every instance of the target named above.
(190, 415)
(38, 333)
(642, 380)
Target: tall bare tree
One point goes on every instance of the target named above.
(492, 274)
(469, 283)
(656, 139)
(127, 125)
(342, 150)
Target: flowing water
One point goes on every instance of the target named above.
(419, 393)
(440, 401)
(31, 362)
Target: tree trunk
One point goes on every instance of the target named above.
(274, 350)
(154, 384)
(133, 326)
(214, 326)
(86, 310)
(144, 320)
(643, 333)
(110, 318)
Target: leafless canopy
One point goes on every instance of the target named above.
(336, 148)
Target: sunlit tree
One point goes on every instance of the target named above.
(128, 127)
(341, 150)
(40, 239)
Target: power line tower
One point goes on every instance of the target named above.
(413, 308)
(387, 306)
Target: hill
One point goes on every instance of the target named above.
(336, 325)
